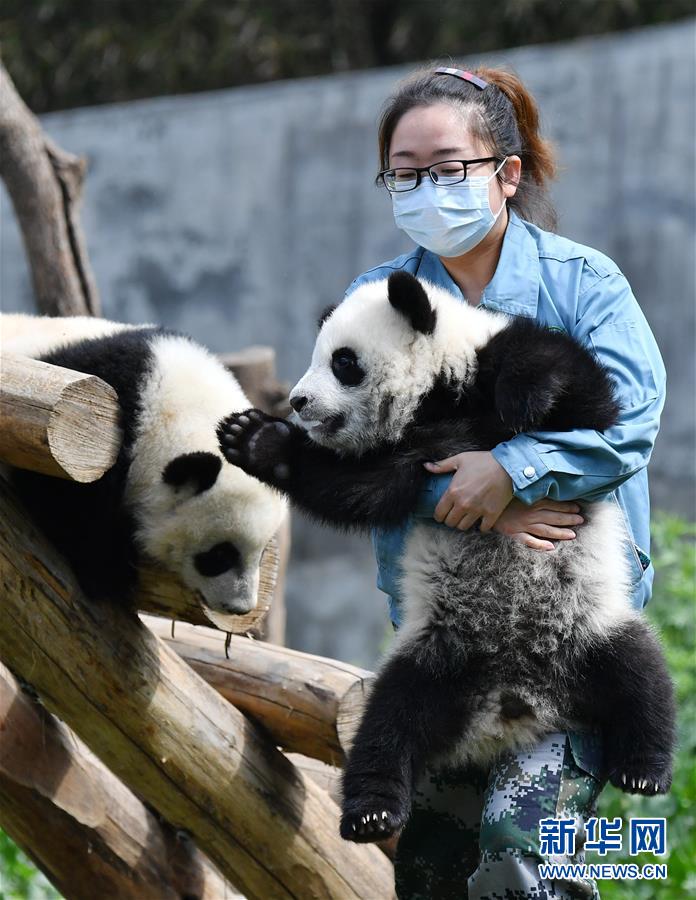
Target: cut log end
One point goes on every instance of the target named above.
(56, 421)
(83, 432)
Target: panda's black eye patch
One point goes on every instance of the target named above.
(344, 365)
(219, 559)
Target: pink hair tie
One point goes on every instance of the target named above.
(464, 75)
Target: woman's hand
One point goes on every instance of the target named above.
(480, 489)
(550, 519)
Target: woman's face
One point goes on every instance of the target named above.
(430, 134)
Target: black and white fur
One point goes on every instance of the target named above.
(500, 643)
(169, 497)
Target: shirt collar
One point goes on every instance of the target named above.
(514, 288)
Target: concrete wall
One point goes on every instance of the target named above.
(239, 215)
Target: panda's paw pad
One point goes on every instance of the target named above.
(256, 442)
(642, 779)
(373, 823)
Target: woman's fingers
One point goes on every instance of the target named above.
(488, 520)
(530, 541)
(443, 508)
(451, 464)
(467, 521)
(548, 517)
(541, 530)
(564, 506)
(454, 516)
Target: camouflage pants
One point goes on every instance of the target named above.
(474, 835)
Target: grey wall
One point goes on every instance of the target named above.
(239, 215)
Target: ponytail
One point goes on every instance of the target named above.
(506, 120)
(539, 156)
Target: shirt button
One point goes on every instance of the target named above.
(529, 472)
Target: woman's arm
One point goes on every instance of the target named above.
(579, 464)
(589, 464)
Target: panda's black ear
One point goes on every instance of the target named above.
(407, 295)
(325, 315)
(198, 470)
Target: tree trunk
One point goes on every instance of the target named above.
(84, 829)
(308, 704)
(175, 742)
(45, 185)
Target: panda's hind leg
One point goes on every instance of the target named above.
(414, 711)
(626, 683)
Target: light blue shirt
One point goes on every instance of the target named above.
(567, 286)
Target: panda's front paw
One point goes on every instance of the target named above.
(372, 819)
(257, 443)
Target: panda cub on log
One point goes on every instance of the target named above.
(169, 497)
(500, 643)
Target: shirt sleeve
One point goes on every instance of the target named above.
(588, 464)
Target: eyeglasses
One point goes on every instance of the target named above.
(450, 171)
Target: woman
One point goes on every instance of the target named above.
(468, 172)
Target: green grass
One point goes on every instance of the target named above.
(673, 611)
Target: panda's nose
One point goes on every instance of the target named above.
(297, 403)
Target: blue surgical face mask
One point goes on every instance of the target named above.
(447, 219)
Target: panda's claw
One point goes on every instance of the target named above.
(648, 776)
(364, 827)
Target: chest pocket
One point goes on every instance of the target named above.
(622, 348)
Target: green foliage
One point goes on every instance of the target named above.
(64, 53)
(673, 611)
(19, 880)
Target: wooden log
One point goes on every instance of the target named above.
(326, 776)
(271, 626)
(308, 704)
(175, 742)
(45, 184)
(254, 369)
(329, 778)
(56, 421)
(84, 829)
(162, 593)
(64, 423)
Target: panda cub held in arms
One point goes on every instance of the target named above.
(169, 497)
(500, 643)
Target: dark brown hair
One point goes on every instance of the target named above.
(504, 116)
